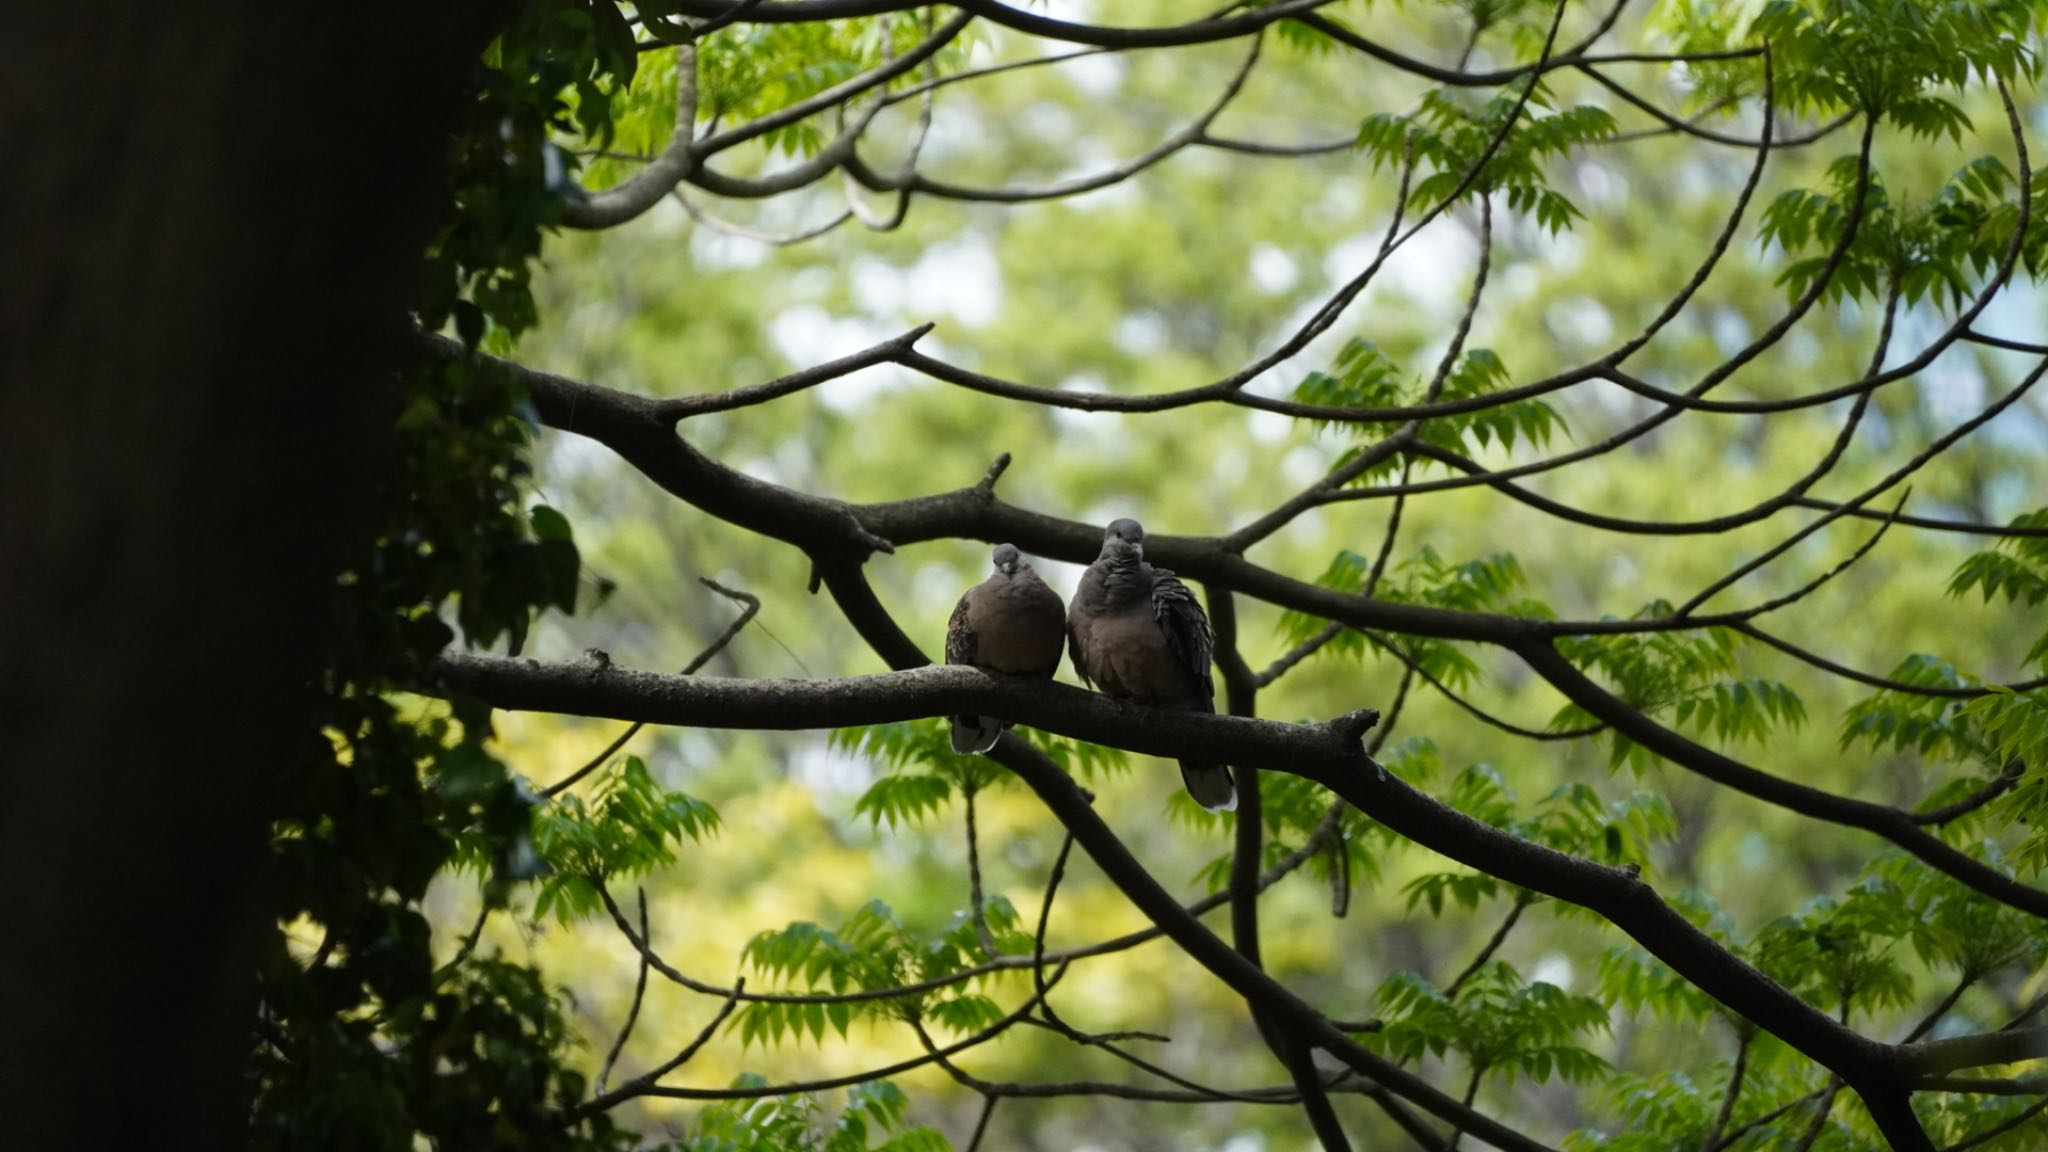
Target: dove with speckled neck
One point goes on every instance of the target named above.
(1137, 633)
(1010, 623)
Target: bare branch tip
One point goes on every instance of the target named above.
(994, 473)
(1354, 725)
(733, 594)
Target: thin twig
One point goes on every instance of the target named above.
(633, 1013)
(1735, 1082)
(752, 605)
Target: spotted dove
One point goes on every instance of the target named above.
(1137, 633)
(1008, 623)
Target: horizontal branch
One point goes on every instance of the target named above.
(600, 688)
(637, 430)
(1893, 824)
(1228, 27)
(1940, 1057)
(1328, 753)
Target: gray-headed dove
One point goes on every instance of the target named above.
(1138, 634)
(1010, 623)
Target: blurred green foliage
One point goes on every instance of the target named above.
(440, 970)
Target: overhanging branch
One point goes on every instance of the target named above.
(1328, 753)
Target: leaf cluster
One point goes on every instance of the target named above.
(1886, 58)
(1936, 249)
(631, 827)
(1452, 141)
(925, 772)
(367, 1044)
(1693, 675)
(796, 1123)
(1490, 583)
(1495, 1022)
(872, 951)
(1362, 376)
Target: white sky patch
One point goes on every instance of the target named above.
(570, 456)
(830, 772)
(1120, 194)
(1303, 465)
(1621, 571)
(951, 127)
(1562, 251)
(1141, 333)
(793, 460)
(1730, 330)
(1339, 201)
(1519, 281)
(761, 468)
(1076, 421)
(1553, 969)
(714, 249)
(1268, 427)
(936, 583)
(1602, 185)
(666, 217)
(1954, 390)
(807, 335)
(878, 286)
(960, 279)
(1433, 268)
(1348, 257)
(1581, 320)
(1272, 271)
(1100, 75)
(1047, 121)
(2015, 312)
(1230, 460)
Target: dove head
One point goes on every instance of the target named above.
(1123, 541)
(1008, 559)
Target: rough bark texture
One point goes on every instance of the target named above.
(212, 216)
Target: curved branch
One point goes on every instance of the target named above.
(839, 536)
(838, 93)
(913, 182)
(1892, 824)
(1847, 673)
(644, 189)
(1327, 753)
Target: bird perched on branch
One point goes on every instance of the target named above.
(1009, 623)
(1137, 633)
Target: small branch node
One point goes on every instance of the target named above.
(1352, 727)
(1354, 724)
(872, 542)
(987, 487)
(597, 659)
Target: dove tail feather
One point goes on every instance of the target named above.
(1210, 784)
(973, 735)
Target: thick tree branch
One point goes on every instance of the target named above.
(840, 535)
(1327, 753)
(1893, 824)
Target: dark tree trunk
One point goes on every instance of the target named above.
(210, 221)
